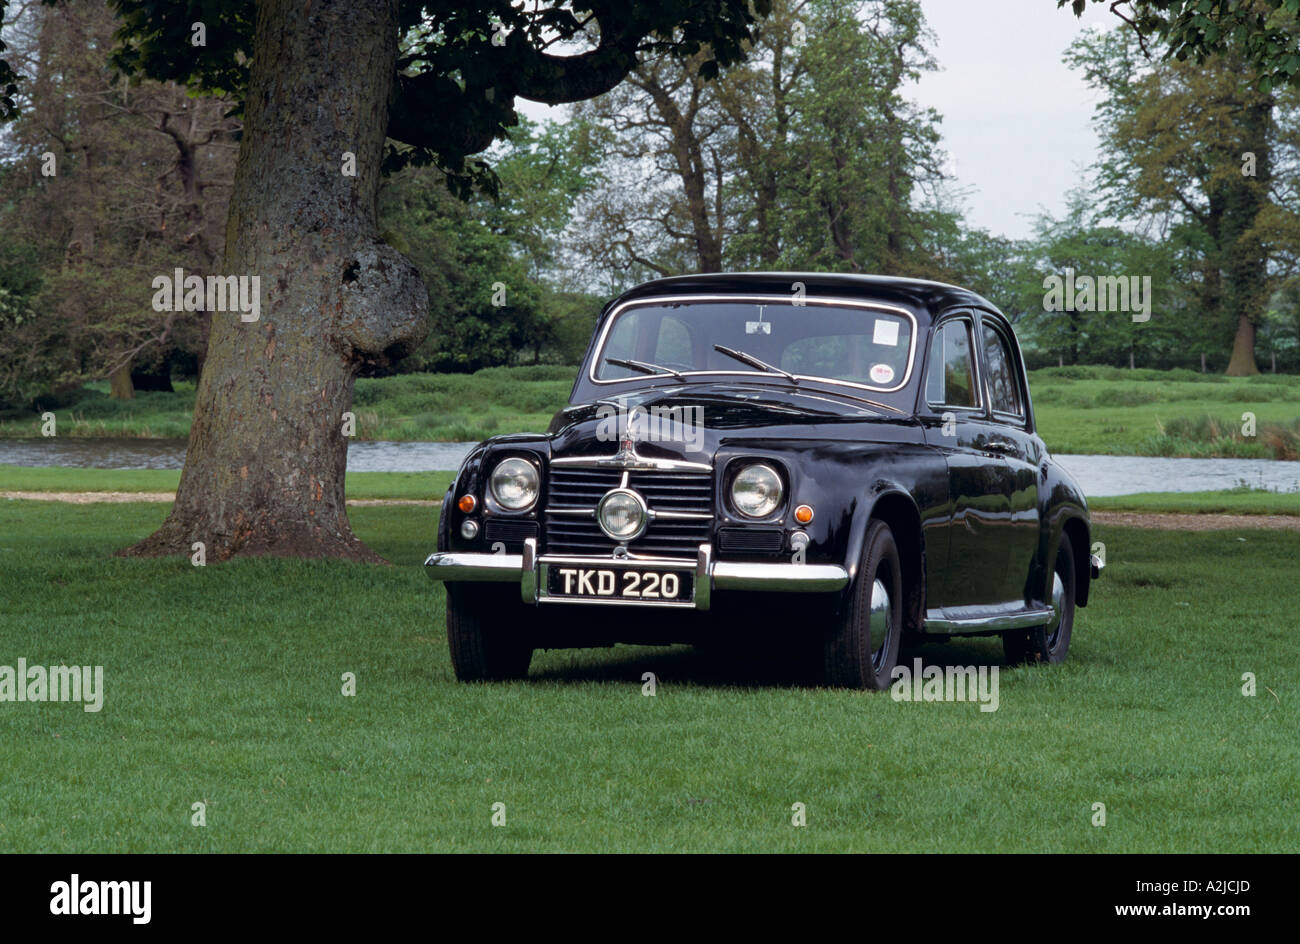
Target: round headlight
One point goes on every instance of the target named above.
(757, 491)
(514, 484)
(622, 515)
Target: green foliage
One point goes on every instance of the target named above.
(1261, 32)
(461, 65)
(490, 264)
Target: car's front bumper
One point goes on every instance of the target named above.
(528, 570)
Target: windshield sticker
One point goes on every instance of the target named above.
(886, 333)
(882, 373)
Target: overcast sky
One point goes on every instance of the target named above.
(1016, 121)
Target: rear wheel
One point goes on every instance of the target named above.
(862, 649)
(1050, 642)
(487, 634)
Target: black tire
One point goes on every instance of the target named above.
(486, 635)
(856, 654)
(1049, 643)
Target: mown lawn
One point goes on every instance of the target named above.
(433, 486)
(223, 686)
(362, 485)
(1099, 410)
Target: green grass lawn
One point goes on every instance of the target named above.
(433, 485)
(223, 686)
(1102, 410)
(364, 485)
(1235, 501)
(1110, 411)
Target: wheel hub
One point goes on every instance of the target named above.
(881, 613)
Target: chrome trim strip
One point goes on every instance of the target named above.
(704, 577)
(580, 512)
(636, 463)
(528, 571)
(619, 563)
(977, 624)
(771, 299)
(812, 578)
(681, 515)
(456, 566)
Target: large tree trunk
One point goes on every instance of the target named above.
(1242, 363)
(120, 385)
(264, 473)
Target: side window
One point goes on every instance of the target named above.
(1000, 364)
(951, 378)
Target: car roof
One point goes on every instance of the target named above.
(918, 295)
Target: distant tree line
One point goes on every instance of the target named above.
(806, 155)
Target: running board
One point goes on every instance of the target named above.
(936, 622)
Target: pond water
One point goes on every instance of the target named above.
(1099, 475)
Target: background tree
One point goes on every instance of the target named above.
(264, 471)
(109, 184)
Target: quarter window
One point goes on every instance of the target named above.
(1004, 385)
(951, 380)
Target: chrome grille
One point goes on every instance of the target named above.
(570, 488)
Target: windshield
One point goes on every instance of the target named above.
(842, 343)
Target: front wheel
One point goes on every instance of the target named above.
(1050, 642)
(486, 635)
(862, 649)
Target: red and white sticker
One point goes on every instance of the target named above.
(882, 374)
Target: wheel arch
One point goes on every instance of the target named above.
(1076, 530)
(898, 509)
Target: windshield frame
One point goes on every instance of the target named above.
(597, 352)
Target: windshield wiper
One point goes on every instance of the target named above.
(644, 367)
(753, 361)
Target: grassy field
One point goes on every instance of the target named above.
(433, 485)
(1106, 410)
(1080, 410)
(223, 686)
(420, 407)
(360, 485)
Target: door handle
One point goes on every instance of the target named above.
(1000, 445)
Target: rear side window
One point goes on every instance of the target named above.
(951, 378)
(1004, 381)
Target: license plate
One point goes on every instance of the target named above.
(647, 585)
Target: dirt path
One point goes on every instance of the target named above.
(1166, 521)
(1163, 521)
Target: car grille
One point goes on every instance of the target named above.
(751, 540)
(662, 491)
(511, 532)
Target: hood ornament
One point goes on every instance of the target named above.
(626, 457)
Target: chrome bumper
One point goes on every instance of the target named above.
(1095, 566)
(529, 569)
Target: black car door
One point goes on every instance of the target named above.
(966, 538)
(1013, 439)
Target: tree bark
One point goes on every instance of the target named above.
(264, 474)
(120, 385)
(1242, 363)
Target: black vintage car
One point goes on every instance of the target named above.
(851, 457)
